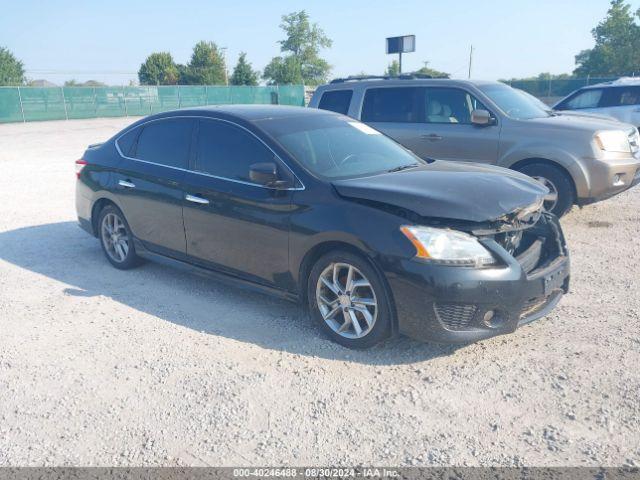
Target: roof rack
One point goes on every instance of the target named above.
(404, 76)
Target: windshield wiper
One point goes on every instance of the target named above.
(403, 167)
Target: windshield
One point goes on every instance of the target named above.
(513, 103)
(335, 147)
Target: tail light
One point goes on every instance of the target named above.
(80, 164)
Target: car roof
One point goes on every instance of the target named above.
(346, 83)
(249, 112)
(620, 82)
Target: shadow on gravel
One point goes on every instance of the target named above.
(63, 252)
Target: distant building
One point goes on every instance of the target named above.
(41, 83)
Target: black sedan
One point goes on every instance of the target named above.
(319, 208)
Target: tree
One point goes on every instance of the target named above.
(158, 69)
(393, 69)
(207, 66)
(11, 69)
(243, 74)
(301, 62)
(426, 70)
(617, 44)
(283, 71)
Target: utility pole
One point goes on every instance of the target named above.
(470, 60)
(400, 63)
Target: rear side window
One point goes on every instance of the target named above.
(127, 142)
(165, 142)
(621, 96)
(336, 101)
(227, 151)
(585, 99)
(397, 105)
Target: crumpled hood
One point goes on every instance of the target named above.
(458, 191)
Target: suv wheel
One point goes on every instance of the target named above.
(561, 196)
(347, 297)
(116, 239)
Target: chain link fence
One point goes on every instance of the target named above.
(26, 104)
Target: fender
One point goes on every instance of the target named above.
(549, 153)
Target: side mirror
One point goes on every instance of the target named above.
(481, 118)
(264, 173)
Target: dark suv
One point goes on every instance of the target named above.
(317, 207)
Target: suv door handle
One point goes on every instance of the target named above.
(432, 137)
(196, 199)
(126, 184)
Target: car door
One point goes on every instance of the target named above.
(149, 183)
(447, 132)
(433, 122)
(232, 223)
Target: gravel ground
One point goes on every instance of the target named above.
(159, 367)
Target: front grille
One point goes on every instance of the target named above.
(456, 316)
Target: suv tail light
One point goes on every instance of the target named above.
(79, 166)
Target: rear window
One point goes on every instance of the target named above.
(398, 105)
(336, 101)
(165, 142)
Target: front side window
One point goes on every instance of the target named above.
(336, 101)
(165, 142)
(227, 151)
(334, 147)
(450, 105)
(395, 105)
(585, 99)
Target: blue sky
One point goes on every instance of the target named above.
(107, 40)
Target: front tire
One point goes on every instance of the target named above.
(116, 239)
(348, 298)
(561, 195)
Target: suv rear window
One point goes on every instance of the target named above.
(336, 101)
(398, 105)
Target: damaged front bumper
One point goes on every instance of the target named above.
(453, 304)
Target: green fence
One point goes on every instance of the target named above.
(27, 104)
(556, 87)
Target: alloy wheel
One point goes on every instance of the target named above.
(115, 237)
(346, 300)
(551, 198)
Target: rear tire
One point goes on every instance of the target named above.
(562, 199)
(116, 239)
(348, 298)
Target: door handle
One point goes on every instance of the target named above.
(196, 199)
(432, 137)
(126, 184)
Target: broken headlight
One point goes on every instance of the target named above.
(450, 247)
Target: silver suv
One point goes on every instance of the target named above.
(580, 159)
(619, 99)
